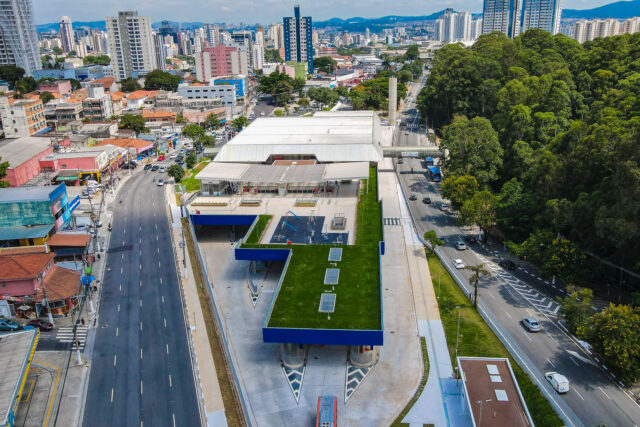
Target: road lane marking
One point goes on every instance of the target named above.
(140, 283)
(156, 238)
(111, 395)
(141, 354)
(174, 419)
(528, 337)
(492, 296)
(120, 287)
(124, 231)
(161, 280)
(141, 392)
(162, 298)
(140, 252)
(573, 360)
(507, 313)
(578, 393)
(167, 348)
(115, 359)
(116, 331)
(550, 362)
(165, 322)
(122, 256)
(158, 264)
(140, 228)
(140, 302)
(603, 392)
(121, 270)
(141, 325)
(118, 307)
(140, 266)
(158, 250)
(170, 383)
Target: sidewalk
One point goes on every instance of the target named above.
(204, 364)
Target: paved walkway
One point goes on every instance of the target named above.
(205, 367)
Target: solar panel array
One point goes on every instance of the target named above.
(331, 276)
(335, 254)
(327, 303)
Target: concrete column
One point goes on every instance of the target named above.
(363, 356)
(293, 355)
(393, 101)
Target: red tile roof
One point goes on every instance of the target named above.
(23, 266)
(23, 250)
(126, 142)
(61, 283)
(139, 94)
(69, 239)
(106, 82)
(158, 114)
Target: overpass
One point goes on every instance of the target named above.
(411, 151)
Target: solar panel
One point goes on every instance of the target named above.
(331, 276)
(335, 254)
(327, 303)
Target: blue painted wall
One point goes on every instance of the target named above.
(254, 254)
(197, 219)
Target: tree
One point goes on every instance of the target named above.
(474, 149)
(75, 84)
(129, 85)
(614, 334)
(133, 122)
(459, 189)
(191, 160)
(404, 76)
(212, 121)
(193, 132)
(480, 210)
(323, 96)
(273, 55)
(158, 79)
(413, 52)
(325, 64)
(576, 307)
(563, 259)
(476, 272)
(176, 172)
(11, 74)
(45, 97)
(432, 239)
(56, 50)
(3, 173)
(208, 141)
(304, 102)
(100, 60)
(26, 84)
(240, 123)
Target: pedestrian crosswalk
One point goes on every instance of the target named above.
(392, 221)
(65, 335)
(413, 125)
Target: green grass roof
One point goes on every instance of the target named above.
(358, 289)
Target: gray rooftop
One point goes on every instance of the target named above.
(22, 194)
(15, 349)
(19, 150)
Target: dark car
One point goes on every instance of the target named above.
(413, 197)
(147, 166)
(155, 168)
(507, 264)
(426, 200)
(8, 325)
(472, 240)
(41, 324)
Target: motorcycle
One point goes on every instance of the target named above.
(109, 226)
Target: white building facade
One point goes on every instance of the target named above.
(18, 38)
(130, 44)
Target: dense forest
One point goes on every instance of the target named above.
(544, 141)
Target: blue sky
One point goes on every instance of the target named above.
(252, 11)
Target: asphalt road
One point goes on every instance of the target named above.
(594, 398)
(141, 370)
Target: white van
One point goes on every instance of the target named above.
(559, 382)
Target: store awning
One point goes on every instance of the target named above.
(67, 178)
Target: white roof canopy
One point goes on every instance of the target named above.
(332, 136)
(245, 172)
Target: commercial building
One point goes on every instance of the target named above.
(66, 34)
(22, 117)
(221, 60)
(28, 215)
(24, 155)
(30, 278)
(18, 38)
(240, 83)
(130, 44)
(225, 92)
(60, 115)
(491, 393)
(502, 16)
(543, 14)
(135, 148)
(298, 39)
(74, 167)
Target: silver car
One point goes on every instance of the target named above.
(531, 324)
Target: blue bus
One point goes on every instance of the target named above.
(434, 173)
(429, 161)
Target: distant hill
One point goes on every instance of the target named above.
(99, 25)
(617, 10)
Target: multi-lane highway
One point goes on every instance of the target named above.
(141, 370)
(595, 398)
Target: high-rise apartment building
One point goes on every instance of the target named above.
(276, 35)
(586, 30)
(18, 39)
(130, 44)
(543, 14)
(298, 38)
(159, 51)
(501, 15)
(221, 60)
(66, 34)
(453, 26)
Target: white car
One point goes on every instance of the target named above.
(457, 263)
(262, 113)
(160, 183)
(559, 382)
(172, 155)
(162, 169)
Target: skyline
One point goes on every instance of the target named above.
(244, 10)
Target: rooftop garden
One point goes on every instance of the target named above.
(358, 290)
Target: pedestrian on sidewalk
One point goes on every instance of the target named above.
(82, 321)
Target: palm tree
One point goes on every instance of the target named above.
(478, 270)
(432, 239)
